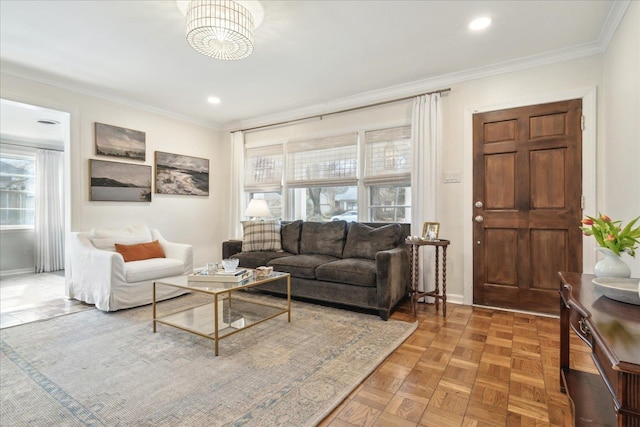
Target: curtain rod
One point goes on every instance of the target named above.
(340, 111)
(31, 145)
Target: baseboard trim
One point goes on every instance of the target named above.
(6, 273)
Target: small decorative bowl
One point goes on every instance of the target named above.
(230, 264)
(263, 271)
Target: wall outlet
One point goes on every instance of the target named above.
(451, 176)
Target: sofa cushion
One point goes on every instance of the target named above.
(291, 236)
(364, 241)
(261, 236)
(354, 271)
(303, 266)
(323, 238)
(140, 251)
(258, 258)
(106, 238)
(150, 269)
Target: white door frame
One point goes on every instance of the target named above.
(589, 106)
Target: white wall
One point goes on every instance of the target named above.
(619, 149)
(199, 221)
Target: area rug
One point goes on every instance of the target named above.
(105, 369)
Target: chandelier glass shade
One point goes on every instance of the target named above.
(221, 29)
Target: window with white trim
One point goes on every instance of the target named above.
(263, 176)
(17, 190)
(387, 174)
(322, 175)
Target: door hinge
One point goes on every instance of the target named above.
(582, 122)
(581, 202)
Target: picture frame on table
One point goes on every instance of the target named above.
(119, 182)
(120, 142)
(430, 230)
(178, 174)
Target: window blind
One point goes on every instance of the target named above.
(263, 169)
(331, 161)
(388, 156)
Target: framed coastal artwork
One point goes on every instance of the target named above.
(115, 141)
(178, 174)
(119, 182)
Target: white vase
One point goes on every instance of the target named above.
(611, 265)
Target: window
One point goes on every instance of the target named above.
(17, 190)
(390, 203)
(319, 179)
(387, 174)
(263, 176)
(322, 175)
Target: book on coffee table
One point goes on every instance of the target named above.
(222, 276)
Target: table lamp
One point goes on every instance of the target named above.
(257, 209)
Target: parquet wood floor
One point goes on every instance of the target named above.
(479, 367)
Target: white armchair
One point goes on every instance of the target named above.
(100, 276)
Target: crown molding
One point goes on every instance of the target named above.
(422, 86)
(19, 71)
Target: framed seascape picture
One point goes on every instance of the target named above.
(430, 230)
(115, 141)
(177, 174)
(119, 182)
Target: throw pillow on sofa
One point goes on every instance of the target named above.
(141, 251)
(261, 236)
(291, 237)
(106, 238)
(364, 241)
(323, 238)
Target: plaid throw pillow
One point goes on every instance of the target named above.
(261, 236)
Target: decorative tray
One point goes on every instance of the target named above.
(619, 289)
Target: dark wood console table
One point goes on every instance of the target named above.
(414, 293)
(612, 330)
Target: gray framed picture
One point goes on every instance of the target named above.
(115, 141)
(178, 174)
(119, 182)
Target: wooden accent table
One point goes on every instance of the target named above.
(612, 330)
(414, 293)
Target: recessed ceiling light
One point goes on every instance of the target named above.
(213, 100)
(480, 23)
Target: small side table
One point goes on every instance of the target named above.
(415, 294)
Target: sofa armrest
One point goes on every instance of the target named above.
(180, 251)
(93, 271)
(231, 247)
(393, 275)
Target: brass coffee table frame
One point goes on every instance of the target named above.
(220, 291)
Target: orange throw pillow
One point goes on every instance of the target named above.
(140, 251)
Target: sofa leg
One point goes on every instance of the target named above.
(384, 315)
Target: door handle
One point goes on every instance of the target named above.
(478, 204)
(479, 218)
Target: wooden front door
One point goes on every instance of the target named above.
(527, 190)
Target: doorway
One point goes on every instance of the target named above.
(527, 191)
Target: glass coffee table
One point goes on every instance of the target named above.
(227, 313)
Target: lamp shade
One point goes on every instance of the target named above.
(258, 208)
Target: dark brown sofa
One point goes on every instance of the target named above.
(364, 265)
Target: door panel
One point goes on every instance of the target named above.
(527, 176)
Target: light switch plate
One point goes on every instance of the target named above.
(451, 176)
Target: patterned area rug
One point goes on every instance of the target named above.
(105, 369)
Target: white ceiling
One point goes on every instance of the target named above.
(310, 56)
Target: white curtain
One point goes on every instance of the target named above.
(49, 216)
(426, 135)
(237, 185)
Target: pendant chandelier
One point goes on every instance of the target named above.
(221, 29)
